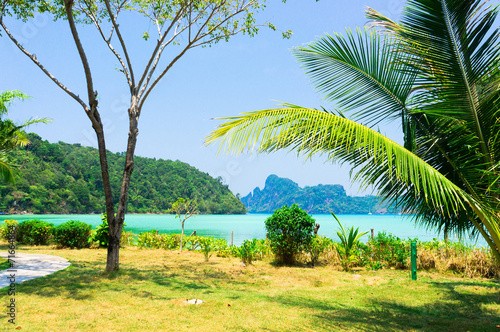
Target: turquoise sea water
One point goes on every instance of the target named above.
(250, 225)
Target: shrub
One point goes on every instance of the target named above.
(290, 230)
(207, 245)
(127, 238)
(7, 227)
(73, 234)
(150, 239)
(101, 233)
(262, 247)
(224, 250)
(191, 242)
(34, 232)
(387, 250)
(318, 246)
(458, 258)
(153, 239)
(247, 252)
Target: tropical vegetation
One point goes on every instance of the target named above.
(436, 72)
(349, 240)
(12, 134)
(289, 230)
(66, 178)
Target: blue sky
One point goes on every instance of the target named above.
(245, 74)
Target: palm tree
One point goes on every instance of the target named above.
(12, 135)
(437, 71)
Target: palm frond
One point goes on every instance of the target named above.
(360, 71)
(6, 169)
(310, 132)
(7, 97)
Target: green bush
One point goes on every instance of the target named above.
(387, 250)
(7, 227)
(290, 230)
(73, 234)
(101, 234)
(318, 246)
(248, 252)
(127, 239)
(34, 232)
(191, 242)
(209, 244)
(153, 239)
(223, 249)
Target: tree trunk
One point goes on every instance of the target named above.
(182, 235)
(116, 222)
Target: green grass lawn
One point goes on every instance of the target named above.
(149, 291)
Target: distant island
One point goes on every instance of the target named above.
(317, 199)
(65, 178)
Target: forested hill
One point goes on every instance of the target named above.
(318, 199)
(66, 178)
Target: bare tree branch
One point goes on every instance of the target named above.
(94, 19)
(122, 43)
(159, 44)
(143, 99)
(52, 77)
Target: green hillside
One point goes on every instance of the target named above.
(316, 199)
(66, 178)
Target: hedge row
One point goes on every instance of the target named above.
(71, 234)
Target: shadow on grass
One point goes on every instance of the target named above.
(458, 311)
(86, 277)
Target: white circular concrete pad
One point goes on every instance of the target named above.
(30, 266)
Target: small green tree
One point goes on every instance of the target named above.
(184, 208)
(290, 229)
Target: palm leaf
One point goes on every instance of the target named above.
(360, 71)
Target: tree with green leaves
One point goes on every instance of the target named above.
(436, 71)
(184, 208)
(12, 134)
(289, 230)
(180, 26)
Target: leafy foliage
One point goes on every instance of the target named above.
(73, 234)
(318, 246)
(101, 234)
(289, 231)
(35, 232)
(387, 250)
(155, 240)
(209, 245)
(66, 178)
(8, 229)
(12, 135)
(248, 251)
(349, 241)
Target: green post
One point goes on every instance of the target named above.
(413, 261)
